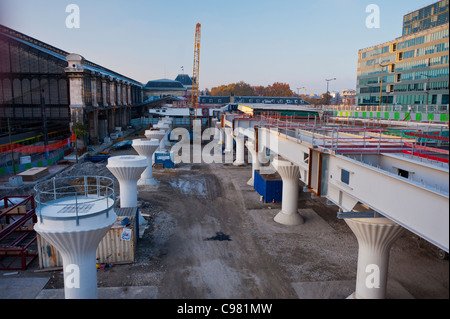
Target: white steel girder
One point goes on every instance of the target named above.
(422, 210)
(418, 208)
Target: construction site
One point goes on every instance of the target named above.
(204, 231)
(242, 200)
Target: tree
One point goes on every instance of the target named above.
(259, 90)
(238, 89)
(280, 90)
(80, 130)
(243, 89)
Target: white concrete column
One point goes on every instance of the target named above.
(129, 94)
(240, 151)
(119, 93)
(78, 252)
(155, 134)
(228, 140)
(104, 88)
(146, 148)
(76, 233)
(165, 140)
(112, 90)
(124, 94)
(375, 239)
(290, 175)
(127, 169)
(256, 164)
(94, 92)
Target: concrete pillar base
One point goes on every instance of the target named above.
(290, 174)
(289, 219)
(147, 182)
(251, 182)
(239, 163)
(375, 238)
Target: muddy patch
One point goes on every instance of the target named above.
(219, 237)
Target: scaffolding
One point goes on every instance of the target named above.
(17, 235)
(354, 136)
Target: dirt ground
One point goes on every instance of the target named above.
(209, 236)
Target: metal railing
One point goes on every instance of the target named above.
(435, 109)
(352, 139)
(85, 190)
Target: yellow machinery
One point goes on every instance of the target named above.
(195, 79)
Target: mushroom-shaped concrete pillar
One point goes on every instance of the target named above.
(74, 219)
(256, 164)
(167, 121)
(290, 175)
(375, 239)
(155, 134)
(240, 151)
(146, 148)
(164, 127)
(229, 140)
(127, 169)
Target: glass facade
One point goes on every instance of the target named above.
(429, 17)
(29, 79)
(414, 66)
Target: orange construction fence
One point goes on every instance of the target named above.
(29, 149)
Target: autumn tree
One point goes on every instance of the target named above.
(259, 90)
(280, 90)
(238, 89)
(243, 89)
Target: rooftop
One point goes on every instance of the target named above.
(165, 84)
(184, 79)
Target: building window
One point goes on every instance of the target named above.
(53, 92)
(108, 93)
(62, 87)
(35, 92)
(17, 90)
(87, 91)
(26, 89)
(403, 173)
(345, 176)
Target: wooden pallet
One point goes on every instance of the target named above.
(33, 174)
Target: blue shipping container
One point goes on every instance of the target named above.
(165, 158)
(270, 186)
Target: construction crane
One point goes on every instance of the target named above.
(195, 78)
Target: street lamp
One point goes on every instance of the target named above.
(381, 83)
(427, 89)
(328, 93)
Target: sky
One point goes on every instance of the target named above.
(260, 42)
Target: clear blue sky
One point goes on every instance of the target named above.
(257, 41)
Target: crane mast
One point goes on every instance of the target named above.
(195, 79)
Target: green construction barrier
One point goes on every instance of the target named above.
(418, 116)
(397, 116)
(386, 115)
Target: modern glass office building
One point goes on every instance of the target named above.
(412, 69)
